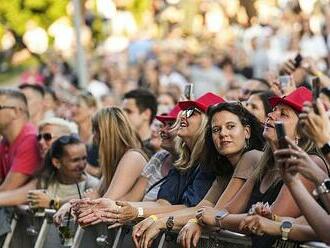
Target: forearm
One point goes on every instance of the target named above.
(302, 233)
(316, 216)
(16, 196)
(232, 221)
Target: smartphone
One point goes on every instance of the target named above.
(284, 81)
(297, 60)
(280, 132)
(316, 92)
(188, 91)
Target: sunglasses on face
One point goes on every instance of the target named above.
(45, 136)
(189, 112)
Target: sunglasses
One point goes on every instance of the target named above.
(45, 136)
(189, 112)
(68, 139)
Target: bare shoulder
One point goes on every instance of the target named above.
(133, 155)
(252, 156)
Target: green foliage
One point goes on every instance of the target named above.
(14, 14)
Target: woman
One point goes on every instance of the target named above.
(61, 180)
(258, 105)
(186, 183)
(121, 156)
(82, 113)
(266, 185)
(49, 130)
(232, 139)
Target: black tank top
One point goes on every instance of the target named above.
(269, 196)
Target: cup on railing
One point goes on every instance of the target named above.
(67, 230)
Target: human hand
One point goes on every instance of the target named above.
(189, 235)
(262, 209)
(38, 198)
(152, 232)
(259, 225)
(140, 228)
(59, 215)
(206, 216)
(309, 65)
(316, 126)
(296, 160)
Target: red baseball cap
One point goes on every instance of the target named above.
(202, 102)
(170, 116)
(295, 99)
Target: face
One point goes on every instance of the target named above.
(289, 118)
(35, 101)
(168, 134)
(136, 118)
(190, 121)
(155, 140)
(47, 135)
(165, 103)
(49, 102)
(72, 165)
(81, 111)
(228, 134)
(256, 107)
(7, 112)
(325, 100)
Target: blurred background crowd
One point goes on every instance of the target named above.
(124, 103)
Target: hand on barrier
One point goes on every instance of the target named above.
(63, 211)
(206, 216)
(38, 199)
(259, 225)
(189, 235)
(140, 228)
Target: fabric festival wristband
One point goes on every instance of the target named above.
(153, 217)
(192, 220)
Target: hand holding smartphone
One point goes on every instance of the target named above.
(280, 132)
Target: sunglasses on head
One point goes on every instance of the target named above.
(45, 136)
(189, 112)
(64, 140)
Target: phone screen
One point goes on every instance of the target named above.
(280, 131)
(316, 92)
(297, 60)
(284, 81)
(188, 91)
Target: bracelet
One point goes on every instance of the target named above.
(276, 218)
(194, 220)
(153, 217)
(57, 203)
(318, 74)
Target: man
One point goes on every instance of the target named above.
(19, 154)
(141, 107)
(34, 94)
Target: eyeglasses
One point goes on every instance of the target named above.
(7, 107)
(189, 112)
(45, 136)
(67, 139)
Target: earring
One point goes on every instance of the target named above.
(247, 143)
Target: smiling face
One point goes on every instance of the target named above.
(284, 114)
(228, 134)
(73, 163)
(190, 121)
(81, 111)
(168, 133)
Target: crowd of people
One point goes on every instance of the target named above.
(235, 138)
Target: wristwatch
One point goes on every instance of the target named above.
(323, 188)
(325, 149)
(286, 227)
(170, 223)
(140, 212)
(219, 216)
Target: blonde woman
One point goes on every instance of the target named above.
(185, 185)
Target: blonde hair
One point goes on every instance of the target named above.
(116, 136)
(67, 126)
(187, 158)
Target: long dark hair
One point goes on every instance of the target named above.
(48, 172)
(211, 157)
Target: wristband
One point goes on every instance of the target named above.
(140, 212)
(57, 203)
(194, 220)
(153, 217)
(318, 74)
